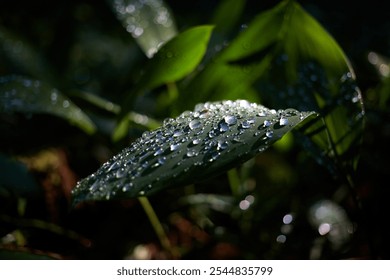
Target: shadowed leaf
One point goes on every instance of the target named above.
(20, 94)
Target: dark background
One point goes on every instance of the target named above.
(112, 230)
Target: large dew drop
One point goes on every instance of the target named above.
(192, 147)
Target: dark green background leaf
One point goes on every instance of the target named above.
(20, 94)
(285, 58)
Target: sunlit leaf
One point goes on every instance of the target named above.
(291, 61)
(211, 139)
(150, 22)
(177, 58)
(20, 94)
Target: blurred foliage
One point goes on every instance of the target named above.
(81, 80)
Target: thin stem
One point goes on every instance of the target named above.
(234, 182)
(156, 224)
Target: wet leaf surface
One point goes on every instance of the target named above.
(196, 145)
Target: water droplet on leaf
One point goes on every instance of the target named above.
(283, 121)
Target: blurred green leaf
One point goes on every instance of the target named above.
(227, 9)
(292, 61)
(213, 138)
(20, 94)
(177, 58)
(309, 71)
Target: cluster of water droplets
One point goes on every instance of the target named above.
(20, 94)
(149, 22)
(213, 137)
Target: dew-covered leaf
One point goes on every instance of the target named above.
(150, 22)
(20, 94)
(197, 144)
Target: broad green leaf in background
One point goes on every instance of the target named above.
(285, 58)
(223, 79)
(174, 61)
(24, 95)
(211, 139)
(150, 22)
(178, 58)
(309, 71)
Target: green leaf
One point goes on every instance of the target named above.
(177, 58)
(224, 79)
(174, 61)
(20, 94)
(291, 61)
(289, 30)
(150, 22)
(309, 71)
(231, 9)
(211, 139)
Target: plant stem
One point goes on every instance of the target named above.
(159, 230)
(234, 182)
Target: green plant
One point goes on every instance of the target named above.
(283, 59)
